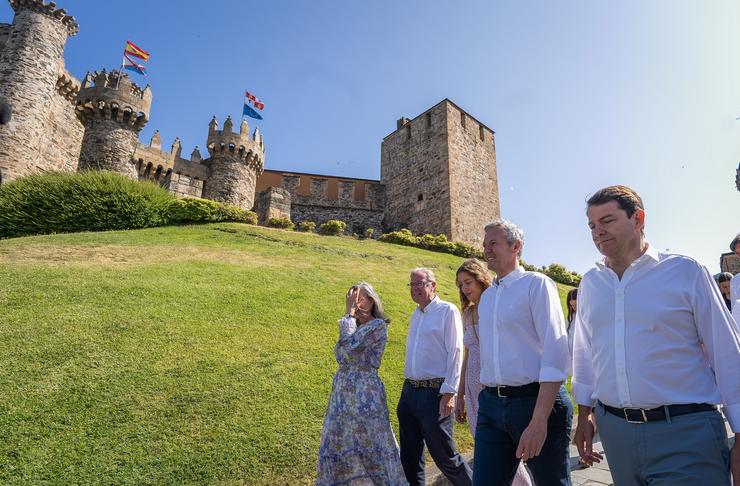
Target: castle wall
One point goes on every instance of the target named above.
(474, 197)
(108, 145)
(4, 33)
(230, 182)
(414, 169)
(64, 131)
(274, 202)
(29, 70)
(319, 206)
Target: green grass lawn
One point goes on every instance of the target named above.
(195, 354)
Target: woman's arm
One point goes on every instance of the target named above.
(460, 403)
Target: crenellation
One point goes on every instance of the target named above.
(438, 170)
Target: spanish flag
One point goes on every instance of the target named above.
(136, 51)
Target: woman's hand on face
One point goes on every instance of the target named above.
(353, 295)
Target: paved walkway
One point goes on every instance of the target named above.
(597, 475)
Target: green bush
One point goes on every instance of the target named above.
(86, 201)
(369, 233)
(193, 210)
(307, 226)
(284, 223)
(333, 227)
(430, 242)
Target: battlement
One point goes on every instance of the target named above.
(50, 10)
(114, 96)
(238, 144)
(68, 86)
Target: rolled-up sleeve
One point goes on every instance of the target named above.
(453, 332)
(550, 325)
(719, 333)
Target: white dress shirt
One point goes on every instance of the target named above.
(662, 335)
(522, 331)
(434, 346)
(735, 297)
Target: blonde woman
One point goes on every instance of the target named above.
(473, 278)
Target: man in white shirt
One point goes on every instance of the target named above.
(525, 413)
(735, 283)
(655, 350)
(434, 351)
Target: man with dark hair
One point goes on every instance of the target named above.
(655, 350)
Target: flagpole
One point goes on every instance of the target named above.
(120, 70)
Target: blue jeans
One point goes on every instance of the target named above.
(419, 423)
(501, 422)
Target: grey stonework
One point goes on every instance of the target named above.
(438, 170)
(274, 202)
(113, 110)
(30, 64)
(233, 166)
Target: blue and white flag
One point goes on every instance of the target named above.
(249, 111)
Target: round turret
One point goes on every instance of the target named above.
(235, 161)
(113, 110)
(31, 61)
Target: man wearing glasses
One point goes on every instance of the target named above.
(434, 351)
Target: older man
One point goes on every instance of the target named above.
(655, 350)
(434, 351)
(525, 413)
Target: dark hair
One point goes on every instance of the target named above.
(724, 277)
(572, 295)
(627, 199)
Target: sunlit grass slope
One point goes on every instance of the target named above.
(194, 354)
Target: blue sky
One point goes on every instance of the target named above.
(581, 94)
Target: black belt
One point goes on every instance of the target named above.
(429, 383)
(523, 391)
(640, 415)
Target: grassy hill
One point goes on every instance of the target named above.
(195, 354)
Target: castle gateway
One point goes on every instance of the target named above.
(438, 170)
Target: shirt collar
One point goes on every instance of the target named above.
(430, 305)
(650, 254)
(512, 277)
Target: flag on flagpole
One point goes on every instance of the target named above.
(250, 112)
(136, 51)
(131, 65)
(255, 101)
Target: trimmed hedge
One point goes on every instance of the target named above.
(333, 227)
(57, 202)
(440, 243)
(194, 210)
(284, 223)
(307, 226)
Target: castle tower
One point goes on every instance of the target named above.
(233, 166)
(30, 65)
(439, 172)
(113, 110)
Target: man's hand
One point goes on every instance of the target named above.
(446, 405)
(735, 461)
(533, 438)
(460, 414)
(584, 439)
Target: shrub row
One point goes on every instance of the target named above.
(440, 243)
(99, 201)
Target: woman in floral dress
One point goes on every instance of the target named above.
(473, 278)
(357, 443)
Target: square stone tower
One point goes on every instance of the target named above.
(439, 172)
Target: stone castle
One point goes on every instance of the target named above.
(438, 170)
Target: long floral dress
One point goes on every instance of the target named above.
(473, 388)
(357, 443)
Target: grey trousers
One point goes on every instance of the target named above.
(688, 449)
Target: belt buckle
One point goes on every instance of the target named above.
(627, 418)
(498, 391)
